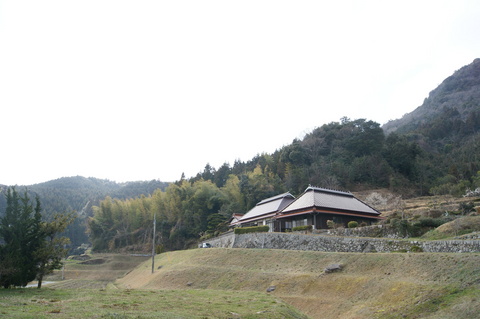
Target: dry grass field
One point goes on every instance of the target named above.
(97, 271)
(232, 283)
(88, 292)
(395, 285)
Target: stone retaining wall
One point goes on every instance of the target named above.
(383, 231)
(225, 240)
(295, 241)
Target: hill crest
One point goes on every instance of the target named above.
(460, 91)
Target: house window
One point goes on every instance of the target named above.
(300, 222)
(269, 223)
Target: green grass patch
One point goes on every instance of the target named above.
(116, 303)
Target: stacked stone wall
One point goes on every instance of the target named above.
(225, 240)
(295, 241)
(383, 231)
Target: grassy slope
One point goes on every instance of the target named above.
(126, 303)
(87, 292)
(369, 286)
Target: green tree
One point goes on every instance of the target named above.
(235, 201)
(401, 154)
(31, 248)
(53, 248)
(363, 137)
(20, 230)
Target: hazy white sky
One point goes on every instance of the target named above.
(141, 90)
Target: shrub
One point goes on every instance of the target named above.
(403, 227)
(159, 249)
(416, 249)
(363, 224)
(255, 229)
(466, 208)
(330, 224)
(430, 222)
(302, 228)
(352, 224)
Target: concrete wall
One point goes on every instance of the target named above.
(294, 241)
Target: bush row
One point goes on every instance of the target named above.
(255, 229)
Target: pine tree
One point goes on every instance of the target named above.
(28, 246)
(21, 234)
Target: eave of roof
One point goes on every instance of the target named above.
(322, 211)
(253, 219)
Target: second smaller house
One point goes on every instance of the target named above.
(234, 219)
(263, 213)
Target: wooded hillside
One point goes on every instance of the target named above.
(79, 194)
(432, 151)
(438, 154)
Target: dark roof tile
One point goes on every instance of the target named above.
(322, 198)
(267, 206)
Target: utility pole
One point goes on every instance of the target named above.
(64, 259)
(153, 241)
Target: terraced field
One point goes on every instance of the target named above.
(368, 285)
(78, 284)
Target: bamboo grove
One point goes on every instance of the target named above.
(184, 212)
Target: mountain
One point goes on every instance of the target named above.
(457, 96)
(447, 128)
(80, 194)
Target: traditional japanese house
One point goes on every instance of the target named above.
(318, 205)
(264, 212)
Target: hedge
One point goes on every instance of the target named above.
(246, 230)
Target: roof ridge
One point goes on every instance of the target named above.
(329, 190)
(266, 200)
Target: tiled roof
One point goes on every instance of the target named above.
(331, 200)
(235, 217)
(268, 206)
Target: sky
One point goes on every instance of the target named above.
(143, 90)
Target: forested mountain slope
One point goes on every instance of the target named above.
(79, 194)
(458, 96)
(447, 127)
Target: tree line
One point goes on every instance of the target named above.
(356, 155)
